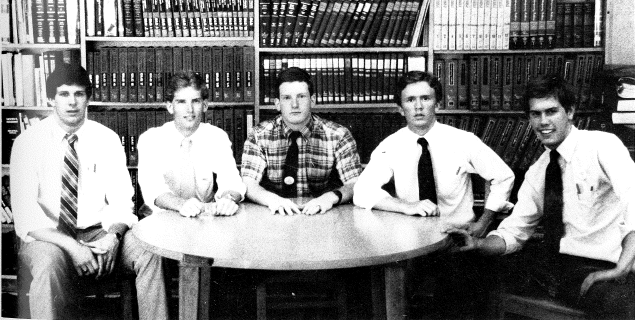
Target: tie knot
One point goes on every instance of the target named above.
(294, 135)
(71, 138)
(423, 142)
(554, 156)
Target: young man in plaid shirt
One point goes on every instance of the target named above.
(299, 154)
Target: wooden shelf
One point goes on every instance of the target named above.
(38, 47)
(342, 50)
(535, 51)
(169, 41)
(37, 108)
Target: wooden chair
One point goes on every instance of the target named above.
(536, 308)
(300, 291)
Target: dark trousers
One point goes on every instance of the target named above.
(531, 272)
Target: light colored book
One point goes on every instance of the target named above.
(626, 105)
(480, 24)
(623, 117)
(460, 16)
(452, 24)
(445, 19)
(507, 10)
(72, 20)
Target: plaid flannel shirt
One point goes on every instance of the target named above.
(325, 146)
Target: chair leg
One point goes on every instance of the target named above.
(261, 301)
(128, 298)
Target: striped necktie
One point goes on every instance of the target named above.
(70, 182)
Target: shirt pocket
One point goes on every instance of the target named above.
(586, 189)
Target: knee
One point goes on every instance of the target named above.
(47, 260)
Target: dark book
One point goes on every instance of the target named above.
(488, 129)
(451, 84)
(439, 73)
(207, 71)
(507, 82)
(62, 27)
(228, 74)
(51, 29)
(475, 83)
(249, 72)
(578, 81)
(367, 11)
(550, 24)
(588, 26)
(396, 19)
(514, 24)
(178, 14)
(302, 17)
(218, 75)
(374, 25)
(337, 38)
(151, 93)
(97, 78)
(578, 24)
(141, 75)
(525, 18)
(408, 25)
(137, 17)
(585, 86)
(484, 65)
(99, 18)
(114, 73)
(40, 26)
(311, 22)
(559, 25)
(289, 22)
(567, 28)
(496, 82)
(516, 136)
(105, 74)
(265, 22)
(321, 20)
(542, 24)
(355, 18)
(333, 19)
(131, 57)
(120, 118)
(240, 133)
(168, 64)
(529, 69)
(133, 156)
(123, 74)
(197, 60)
(533, 24)
(377, 38)
(228, 124)
(187, 59)
(128, 19)
(463, 96)
(239, 81)
(519, 83)
(505, 136)
(277, 36)
(159, 76)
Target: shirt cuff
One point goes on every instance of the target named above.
(370, 199)
(511, 245)
(498, 205)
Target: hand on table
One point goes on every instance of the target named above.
(283, 206)
(191, 208)
(424, 208)
(225, 207)
(318, 205)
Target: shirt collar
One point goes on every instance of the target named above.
(430, 135)
(567, 147)
(59, 134)
(305, 131)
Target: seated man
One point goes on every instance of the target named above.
(430, 164)
(182, 162)
(72, 199)
(299, 154)
(581, 192)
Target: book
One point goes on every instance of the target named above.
(302, 18)
(578, 24)
(519, 83)
(525, 16)
(150, 75)
(484, 64)
(228, 80)
(463, 98)
(114, 74)
(218, 76)
(451, 84)
(439, 73)
(320, 22)
(159, 74)
(475, 83)
(142, 74)
(249, 69)
(588, 24)
(239, 81)
(514, 24)
(289, 22)
(534, 14)
(265, 22)
(123, 74)
(337, 38)
(515, 139)
(496, 82)
(310, 22)
(507, 82)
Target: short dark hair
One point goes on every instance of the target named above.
(184, 79)
(294, 74)
(411, 77)
(68, 74)
(550, 85)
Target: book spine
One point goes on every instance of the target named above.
(62, 25)
(128, 19)
(463, 84)
(578, 24)
(311, 22)
(141, 74)
(123, 74)
(302, 17)
(587, 24)
(475, 79)
(451, 84)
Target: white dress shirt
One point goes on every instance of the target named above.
(598, 178)
(159, 155)
(455, 155)
(105, 191)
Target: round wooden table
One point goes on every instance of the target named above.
(253, 238)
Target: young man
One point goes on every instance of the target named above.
(299, 154)
(183, 162)
(431, 165)
(581, 192)
(71, 195)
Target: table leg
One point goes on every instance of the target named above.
(194, 287)
(394, 275)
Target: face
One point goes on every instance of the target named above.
(549, 120)
(70, 103)
(295, 103)
(418, 103)
(188, 107)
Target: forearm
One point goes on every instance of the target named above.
(627, 257)
(392, 204)
(490, 245)
(258, 194)
(55, 237)
(169, 201)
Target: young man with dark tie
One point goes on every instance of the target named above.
(72, 201)
(187, 165)
(430, 164)
(299, 154)
(580, 192)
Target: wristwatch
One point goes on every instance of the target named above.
(339, 196)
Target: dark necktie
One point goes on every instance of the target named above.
(70, 180)
(427, 188)
(290, 170)
(552, 217)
